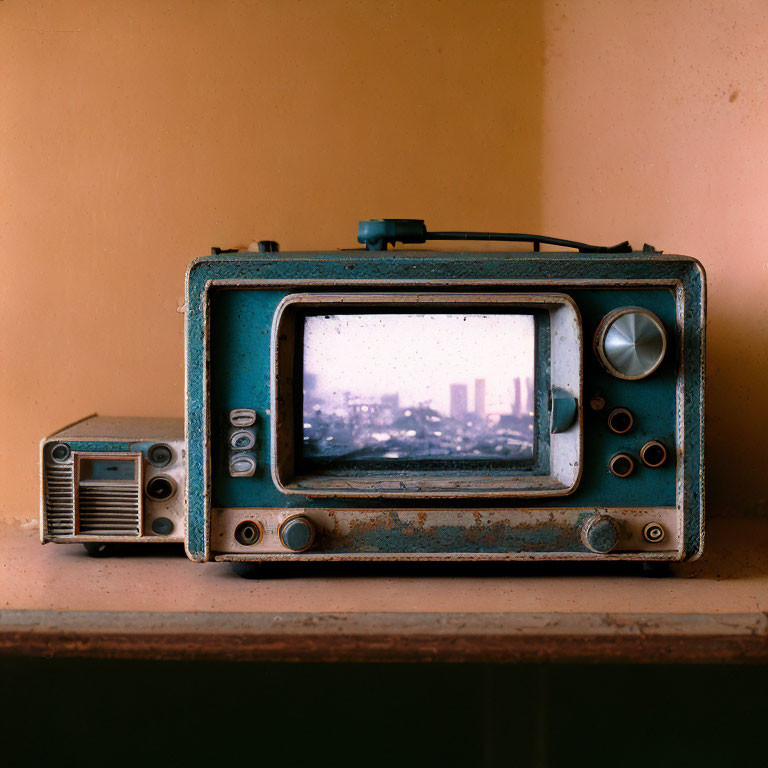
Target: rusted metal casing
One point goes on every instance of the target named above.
(596, 489)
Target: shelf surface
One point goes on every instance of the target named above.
(153, 602)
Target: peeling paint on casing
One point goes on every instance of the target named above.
(231, 299)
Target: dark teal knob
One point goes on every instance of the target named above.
(565, 410)
(600, 534)
(297, 533)
(162, 526)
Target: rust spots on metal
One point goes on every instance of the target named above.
(396, 531)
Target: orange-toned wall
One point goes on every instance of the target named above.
(135, 135)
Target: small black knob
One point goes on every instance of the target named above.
(160, 488)
(61, 452)
(268, 246)
(159, 455)
(162, 526)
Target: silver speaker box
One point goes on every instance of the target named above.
(107, 480)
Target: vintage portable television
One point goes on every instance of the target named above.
(112, 480)
(380, 405)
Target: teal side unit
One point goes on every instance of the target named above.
(231, 304)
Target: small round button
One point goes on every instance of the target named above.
(654, 533)
(296, 533)
(159, 455)
(597, 403)
(162, 526)
(600, 534)
(60, 452)
(242, 439)
(242, 465)
(630, 343)
(161, 488)
(242, 417)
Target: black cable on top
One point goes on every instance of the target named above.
(377, 234)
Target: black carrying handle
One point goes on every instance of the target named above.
(377, 234)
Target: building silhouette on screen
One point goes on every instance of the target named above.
(517, 405)
(480, 398)
(531, 404)
(458, 401)
(355, 426)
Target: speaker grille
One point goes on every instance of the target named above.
(110, 509)
(60, 499)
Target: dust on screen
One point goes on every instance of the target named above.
(419, 386)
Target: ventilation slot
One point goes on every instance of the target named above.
(60, 500)
(109, 509)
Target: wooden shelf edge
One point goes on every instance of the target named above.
(468, 637)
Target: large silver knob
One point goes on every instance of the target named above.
(631, 342)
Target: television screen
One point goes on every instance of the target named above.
(413, 387)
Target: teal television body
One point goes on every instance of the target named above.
(235, 305)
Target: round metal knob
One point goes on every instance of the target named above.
(600, 534)
(296, 533)
(159, 455)
(631, 342)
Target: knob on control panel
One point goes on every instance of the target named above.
(162, 526)
(653, 454)
(621, 465)
(600, 533)
(620, 420)
(631, 342)
(61, 452)
(242, 439)
(242, 465)
(296, 533)
(654, 533)
(159, 455)
(249, 532)
(160, 488)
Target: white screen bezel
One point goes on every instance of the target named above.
(566, 353)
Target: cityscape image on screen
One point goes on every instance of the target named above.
(419, 386)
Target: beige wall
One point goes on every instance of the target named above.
(135, 135)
